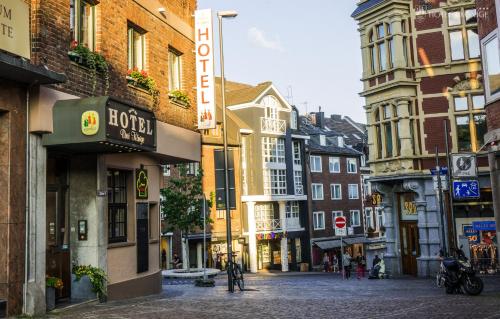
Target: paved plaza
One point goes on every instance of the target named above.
(301, 296)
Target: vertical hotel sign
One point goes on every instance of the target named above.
(205, 81)
(14, 27)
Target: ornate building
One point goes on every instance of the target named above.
(421, 67)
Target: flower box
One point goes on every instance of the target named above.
(178, 101)
(75, 57)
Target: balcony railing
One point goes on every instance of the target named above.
(299, 190)
(263, 225)
(268, 125)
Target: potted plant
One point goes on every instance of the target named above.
(141, 79)
(82, 55)
(51, 284)
(180, 97)
(87, 278)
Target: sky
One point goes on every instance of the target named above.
(310, 49)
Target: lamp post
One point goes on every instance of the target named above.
(220, 16)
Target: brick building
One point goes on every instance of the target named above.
(335, 188)
(421, 67)
(488, 26)
(96, 142)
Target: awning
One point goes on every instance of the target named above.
(335, 243)
(21, 70)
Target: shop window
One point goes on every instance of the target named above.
(136, 48)
(319, 220)
(117, 206)
(175, 70)
(82, 23)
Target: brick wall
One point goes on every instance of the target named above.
(431, 46)
(51, 39)
(487, 17)
(493, 116)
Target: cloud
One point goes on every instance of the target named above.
(258, 38)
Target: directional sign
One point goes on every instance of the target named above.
(444, 182)
(340, 226)
(466, 189)
(442, 171)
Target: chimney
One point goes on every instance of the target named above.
(320, 119)
(336, 117)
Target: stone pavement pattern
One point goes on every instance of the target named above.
(302, 296)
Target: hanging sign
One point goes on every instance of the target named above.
(205, 79)
(14, 27)
(471, 234)
(141, 184)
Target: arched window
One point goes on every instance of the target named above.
(272, 105)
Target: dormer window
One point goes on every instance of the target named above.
(322, 140)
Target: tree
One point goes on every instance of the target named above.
(182, 204)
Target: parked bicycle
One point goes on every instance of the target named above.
(237, 275)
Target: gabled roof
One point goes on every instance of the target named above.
(354, 133)
(365, 6)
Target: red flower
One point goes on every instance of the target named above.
(144, 74)
(129, 72)
(74, 44)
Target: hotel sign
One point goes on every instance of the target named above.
(205, 79)
(130, 125)
(14, 27)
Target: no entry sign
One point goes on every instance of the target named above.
(340, 226)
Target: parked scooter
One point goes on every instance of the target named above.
(378, 271)
(457, 272)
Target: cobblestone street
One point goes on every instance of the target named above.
(302, 296)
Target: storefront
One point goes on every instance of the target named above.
(269, 251)
(103, 191)
(332, 247)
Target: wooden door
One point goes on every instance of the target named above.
(409, 247)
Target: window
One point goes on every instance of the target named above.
(136, 48)
(117, 206)
(369, 217)
(316, 164)
(380, 217)
(275, 182)
(334, 164)
(470, 122)
(352, 165)
(319, 220)
(491, 64)
(381, 49)
(317, 191)
(464, 39)
(221, 214)
(478, 102)
(293, 120)
(296, 153)
(220, 180)
(355, 218)
(335, 214)
(322, 140)
(264, 211)
(166, 170)
(353, 191)
(273, 150)
(382, 57)
(292, 210)
(174, 70)
(82, 23)
(271, 104)
(297, 178)
(336, 191)
(461, 104)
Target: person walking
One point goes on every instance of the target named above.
(326, 262)
(346, 264)
(335, 263)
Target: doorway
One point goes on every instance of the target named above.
(409, 247)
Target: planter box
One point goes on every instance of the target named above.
(81, 290)
(178, 101)
(75, 57)
(50, 298)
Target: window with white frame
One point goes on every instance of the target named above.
(175, 68)
(335, 214)
(297, 178)
(136, 48)
(316, 164)
(166, 170)
(82, 23)
(353, 191)
(296, 153)
(273, 150)
(292, 210)
(275, 182)
(369, 217)
(491, 63)
(293, 120)
(317, 191)
(322, 140)
(355, 218)
(334, 164)
(336, 191)
(352, 165)
(264, 211)
(380, 217)
(272, 105)
(318, 220)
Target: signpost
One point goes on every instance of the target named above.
(466, 189)
(464, 165)
(341, 231)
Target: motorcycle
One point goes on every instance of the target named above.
(457, 272)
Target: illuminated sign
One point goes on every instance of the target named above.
(14, 27)
(141, 184)
(90, 123)
(205, 79)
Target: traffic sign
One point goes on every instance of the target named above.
(464, 165)
(444, 182)
(340, 226)
(466, 189)
(442, 171)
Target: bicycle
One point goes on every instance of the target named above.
(237, 275)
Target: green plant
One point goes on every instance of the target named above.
(96, 275)
(142, 79)
(54, 282)
(181, 96)
(94, 61)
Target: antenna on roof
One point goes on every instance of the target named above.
(305, 106)
(289, 95)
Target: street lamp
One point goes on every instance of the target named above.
(220, 15)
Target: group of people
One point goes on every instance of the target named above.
(346, 263)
